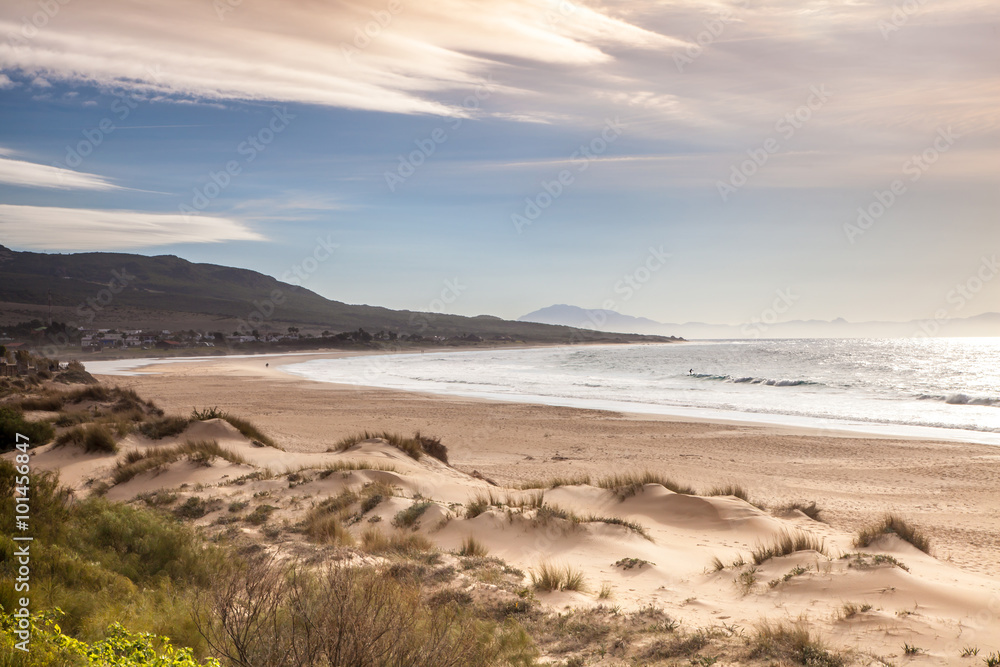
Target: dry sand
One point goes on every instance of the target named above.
(942, 604)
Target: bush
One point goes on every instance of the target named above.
(164, 427)
(409, 517)
(12, 422)
(374, 541)
(93, 438)
(354, 615)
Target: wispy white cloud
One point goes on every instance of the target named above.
(52, 228)
(34, 175)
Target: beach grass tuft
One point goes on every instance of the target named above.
(893, 524)
(473, 547)
(787, 543)
(414, 447)
(626, 485)
(200, 452)
(547, 577)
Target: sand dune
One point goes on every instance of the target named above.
(934, 605)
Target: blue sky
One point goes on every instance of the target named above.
(739, 138)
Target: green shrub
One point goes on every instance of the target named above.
(409, 517)
(164, 427)
(12, 422)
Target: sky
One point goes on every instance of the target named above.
(680, 161)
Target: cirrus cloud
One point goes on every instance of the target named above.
(53, 228)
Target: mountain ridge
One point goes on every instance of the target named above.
(121, 289)
(984, 324)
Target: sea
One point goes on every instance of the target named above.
(945, 388)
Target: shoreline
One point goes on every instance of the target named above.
(783, 424)
(946, 487)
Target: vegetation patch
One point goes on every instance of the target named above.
(547, 577)
(376, 542)
(12, 422)
(626, 485)
(200, 452)
(163, 427)
(244, 426)
(809, 509)
(794, 643)
(473, 547)
(410, 517)
(786, 543)
(414, 447)
(863, 561)
(892, 524)
(92, 438)
(629, 563)
(634, 526)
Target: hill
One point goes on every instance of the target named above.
(101, 289)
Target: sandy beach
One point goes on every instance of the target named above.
(948, 488)
(695, 556)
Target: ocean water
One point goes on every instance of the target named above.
(947, 388)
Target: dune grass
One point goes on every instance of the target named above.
(893, 524)
(555, 482)
(410, 517)
(163, 427)
(247, 428)
(200, 452)
(92, 438)
(324, 526)
(634, 526)
(376, 542)
(787, 543)
(626, 485)
(473, 547)
(547, 577)
(810, 509)
(792, 642)
(12, 422)
(414, 447)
